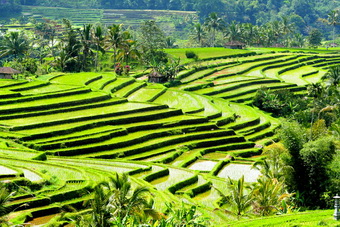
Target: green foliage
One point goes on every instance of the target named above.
(314, 38)
(316, 156)
(238, 201)
(191, 54)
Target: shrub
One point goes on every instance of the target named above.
(191, 54)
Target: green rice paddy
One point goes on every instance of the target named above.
(75, 130)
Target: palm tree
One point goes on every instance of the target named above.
(5, 197)
(213, 23)
(116, 201)
(268, 195)
(124, 201)
(98, 36)
(286, 27)
(234, 32)
(14, 44)
(86, 43)
(333, 19)
(114, 39)
(333, 76)
(238, 200)
(198, 33)
(274, 166)
(129, 50)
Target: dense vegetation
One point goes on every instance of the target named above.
(304, 14)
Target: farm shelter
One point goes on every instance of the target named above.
(7, 72)
(156, 77)
(235, 45)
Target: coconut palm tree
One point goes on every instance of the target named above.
(333, 19)
(198, 33)
(234, 32)
(114, 39)
(213, 23)
(333, 76)
(86, 44)
(124, 201)
(14, 44)
(98, 36)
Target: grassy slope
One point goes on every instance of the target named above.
(309, 218)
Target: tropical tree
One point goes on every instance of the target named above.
(234, 32)
(239, 201)
(5, 197)
(213, 24)
(275, 163)
(15, 43)
(86, 45)
(332, 76)
(333, 19)
(315, 37)
(128, 51)
(99, 37)
(198, 33)
(114, 39)
(268, 194)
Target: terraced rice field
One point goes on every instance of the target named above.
(66, 133)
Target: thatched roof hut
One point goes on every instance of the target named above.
(235, 45)
(156, 77)
(7, 72)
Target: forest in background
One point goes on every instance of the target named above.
(303, 13)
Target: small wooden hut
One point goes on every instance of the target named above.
(7, 72)
(156, 77)
(235, 45)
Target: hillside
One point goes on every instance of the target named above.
(65, 132)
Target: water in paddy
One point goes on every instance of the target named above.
(182, 157)
(31, 175)
(4, 170)
(160, 180)
(215, 156)
(235, 172)
(41, 220)
(141, 174)
(203, 165)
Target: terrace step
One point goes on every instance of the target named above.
(146, 94)
(198, 75)
(28, 86)
(95, 104)
(86, 139)
(63, 129)
(7, 83)
(260, 135)
(129, 89)
(155, 143)
(118, 84)
(75, 135)
(52, 95)
(185, 101)
(9, 94)
(201, 143)
(81, 115)
(192, 155)
(252, 89)
(102, 82)
(122, 133)
(254, 128)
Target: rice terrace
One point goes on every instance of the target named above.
(169, 113)
(75, 130)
